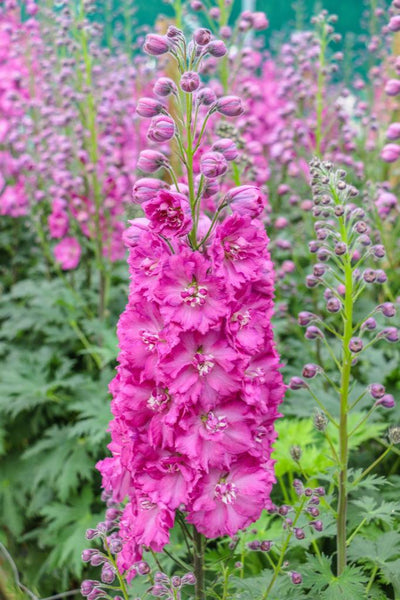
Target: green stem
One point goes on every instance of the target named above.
(371, 579)
(373, 465)
(198, 564)
(357, 529)
(320, 90)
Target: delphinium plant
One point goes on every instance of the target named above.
(198, 383)
(344, 249)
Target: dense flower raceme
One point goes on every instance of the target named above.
(198, 384)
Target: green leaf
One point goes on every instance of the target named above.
(327, 586)
(370, 510)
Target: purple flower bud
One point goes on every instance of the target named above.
(188, 579)
(158, 590)
(388, 309)
(296, 383)
(228, 148)
(308, 492)
(311, 281)
(393, 132)
(97, 559)
(320, 491)
(313, 510)
(340, 248)
(390, 153)
(394, 23)
(317, 525)
(107, 574)
(148, 107)
(265, 545)
(299, 533)
(381, 276)
(162, 129)
(296, 578)
(115, 545)
(369, 275)
(259, 21)
(283, 510)
(377, 390)
(176, 582)
(87, 554)
(356, 344)
(213, 164)
(190, 82)
(333, 305)
(175, 34)
(254, 545)
(206, 96)
(160, 577)
(310, 370)
(387, 401)
(164, 86)
(196, 5)
(305, 318)
(229, 106)
(155, 44)
(112, 514)
(216, 48)
(369, 324)
(87, 586)
(314, 500)
(143, 568)
(378, 251)
(91, 533)
(150, 161)
(246, 200)
(313, 246)
(313, 332)
(319, 270)
(202, 36)
(146, 188)
(390, 334)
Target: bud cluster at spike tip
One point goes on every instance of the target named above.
(198, 384)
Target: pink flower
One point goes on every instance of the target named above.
(227, 501)
(237, 249)
(58, 222)
(162, 129)
(190, 296)
(68, 253)
(155, 45)
(229, 106)
(246, 200)
(169, 213)
(213, 164)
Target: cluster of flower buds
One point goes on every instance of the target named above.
(170, 588)
(391, 151)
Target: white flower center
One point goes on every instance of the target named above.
(204, 363)
(226, 492)
(194, 295)
(215, 424)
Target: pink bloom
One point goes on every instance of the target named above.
(230, 500)
(246, 200)
(169, 213)
(58, 222)
(68, 253)
(191, 297)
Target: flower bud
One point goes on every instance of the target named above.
(91, 533)
(213, 164)
(388, 309)
(164, 86)
(311, 281)
(115, 545)
(393, 132)
(394, 434)
(88, 585)
(216, 48)
(254, 545)
(299, 533)
(390, 153)
(333, 305)
(143, 568)
(377, 390)
(162, 129)
(176, 582)
(87, 554)
(310, 370)
(340, 248)
(394, 23)
(229, 106)
(246, 200)
(313, 511)
(190, 82)
(107, 574)
(390, 334)
(202, 36)
(369, 275)
(378, 251)
(146, 188)
(188, 579)
(148, 108)
(296, 578)
(295, 453)
(356, 345)
(228, 148)
(369, 324)
(313, 332)
(305, 318)
(259, 21)
(319, 270)
(320, 421)
(150, 161)
(381, 276)
(155, 44)
(387, 401)
(265, 545)
(317, 525)
(296, 383)
(206, 96)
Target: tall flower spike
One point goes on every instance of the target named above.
(198, 383)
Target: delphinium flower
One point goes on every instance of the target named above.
(344, 249)
(198, 384)
(391, 151)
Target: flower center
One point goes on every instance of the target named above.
(260, 434)
(257, 374)
(241, 318)
(215, 424)
(194, 295)
(148, 265)
(203, 363)
(226, 492)
(146, 504)
(173, 215)
(157, 401)
(233, 251)
(149, 339)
